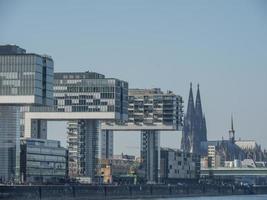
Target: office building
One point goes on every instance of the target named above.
(153, 107)
(26, 81)
(177, 165)
(43, 161)
(26, 76)
(89, 92)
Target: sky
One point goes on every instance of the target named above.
(220, 44)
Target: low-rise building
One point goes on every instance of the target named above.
(118, 167)
(42, 161)
(215, 157)
(176, 164)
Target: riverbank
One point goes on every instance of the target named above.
(87, 192)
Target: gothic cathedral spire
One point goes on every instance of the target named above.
(232, 130)
(198, 103)
(190, 106)
(194, 130)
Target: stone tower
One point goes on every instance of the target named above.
(194, 130)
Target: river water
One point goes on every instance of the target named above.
(241, 197)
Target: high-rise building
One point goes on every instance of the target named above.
(89, 92)
(26, 76)
(26, 82)
(194, 130)
(153, 107)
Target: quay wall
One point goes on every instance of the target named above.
(88, 192)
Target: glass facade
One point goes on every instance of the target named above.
(90, 92)
(26, 75)
(26, 82)
(9, 143)
(43, 161)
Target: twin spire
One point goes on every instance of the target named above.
(194, 108)
(194, 130)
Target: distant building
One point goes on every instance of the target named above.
(42, 161)
(177, 165)
(26, 84)
(153, 107)
(88, 92)
(194, 130)
(122, 164)
(106, 174)
(228, 151)
(117, 167)
(26, 76)
(251, 149)
(224, 149)
(215, 157)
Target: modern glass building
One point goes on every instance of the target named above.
(42, 161)
(28, 77)
(9, 143)
(88, 92)
(150, 111)
(26, 82)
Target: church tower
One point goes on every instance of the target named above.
(200, 118)
(232, 131)
(188, 124)
(194, 130)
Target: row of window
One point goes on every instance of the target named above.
(80, 108)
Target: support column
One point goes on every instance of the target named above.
(150, 155)
(83, 147)
(106, 145)
(39, 129)
(9, 143)
(91, 129)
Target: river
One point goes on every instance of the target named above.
(238, 197)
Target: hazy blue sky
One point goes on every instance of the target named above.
(150, 43)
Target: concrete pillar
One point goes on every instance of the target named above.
(9, 143)
(39, 129)
(83, 149)
(106, 144)
(150, 155)
(90, 147)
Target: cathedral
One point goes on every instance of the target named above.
(194, 130)
(194, 136)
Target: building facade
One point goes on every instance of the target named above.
(153, 107)
(43, 161)
(106, 144)
(26, 76)
(177, 165)
(88, 92)
(26, 82)
(9, 143)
